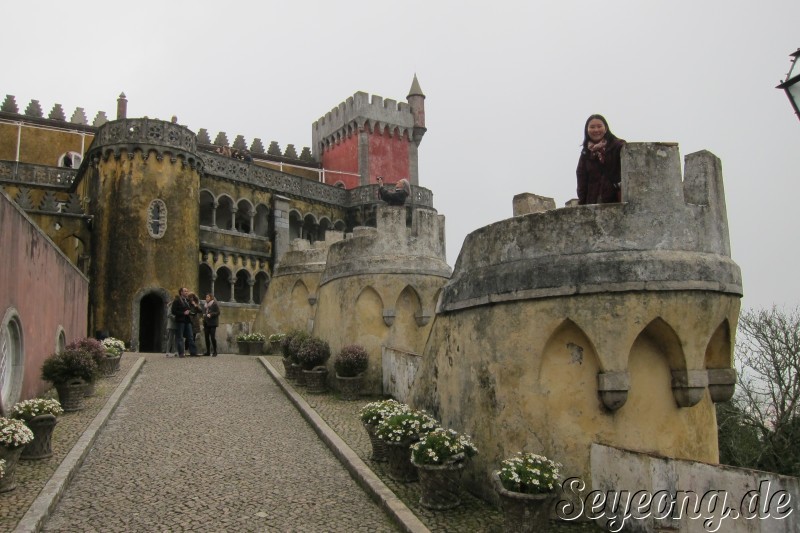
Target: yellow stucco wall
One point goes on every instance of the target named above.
(523, 375)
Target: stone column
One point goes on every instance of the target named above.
(280, 218)
(251, 282)
(214, 214)
(234, 210)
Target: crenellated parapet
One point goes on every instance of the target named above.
(359, 113)
(667, 234)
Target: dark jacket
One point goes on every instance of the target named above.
(395, 197)
(179, 305)
(213, 310)
(598, 183)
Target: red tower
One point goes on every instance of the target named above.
(362, 139)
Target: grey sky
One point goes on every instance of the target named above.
(508, 85)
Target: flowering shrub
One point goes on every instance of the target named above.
(314, 352)
(351, 361)
(529, 473)
(373, 413)
(276, 337)
(38, 406)
(251, 337)
(14, 433)
(114, 347)
(292, 342)
(442, 446)
(405, 426)
(70, 364)
(91, 346)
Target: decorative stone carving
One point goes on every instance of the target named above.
(688, 386)
(613, 388)
(388, 316)
(422, 318)
(157, 218)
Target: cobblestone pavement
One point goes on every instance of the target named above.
(211, 444)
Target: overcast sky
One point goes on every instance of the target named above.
(509, 86)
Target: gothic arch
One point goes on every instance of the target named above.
(719, 351)
(324, 226)
(339, 225)
(368, 317)
(667, 340)
(310, 228)
(405, 329)
(149, 319)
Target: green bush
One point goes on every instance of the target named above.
(70, 364)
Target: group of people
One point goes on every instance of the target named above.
(242, 155)
(184, 315)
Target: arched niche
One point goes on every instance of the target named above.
(222, 285)
(206, 208)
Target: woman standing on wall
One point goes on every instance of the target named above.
(598, 171)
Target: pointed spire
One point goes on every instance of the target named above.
(9, 105)
(415, 90)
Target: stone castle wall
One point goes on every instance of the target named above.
(604, 323)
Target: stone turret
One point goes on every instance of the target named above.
(416, 99)
(599, 323)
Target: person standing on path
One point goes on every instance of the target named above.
(210, 323)
(172, 330)
(182, 311)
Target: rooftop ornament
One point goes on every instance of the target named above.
(792, 83)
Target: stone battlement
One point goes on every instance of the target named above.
(359, 111)
(669, 233)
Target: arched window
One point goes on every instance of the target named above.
(222, 285)
(310, 229)
(261, 221)
(260, 287)
(205, 280)
(12, 359)
(295, 225)
(241, 291)
(206, 209)
(225, 212)
(243, 216)
(70, 160)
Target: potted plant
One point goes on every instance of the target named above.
(14, 435)
(243, 343)
(255, 343)
(275, 342)
(97, 351)
(527, 486)
(312, 355)
(70, 371)
(350, 364)
(399, 430)
(290, 345)
(371, 415)
(439, 457)
(109, 365)
(39, 414)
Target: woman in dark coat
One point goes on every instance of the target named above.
(598, 170)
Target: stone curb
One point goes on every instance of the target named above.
(363, 475)
(47, 500)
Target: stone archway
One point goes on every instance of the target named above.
(149, 319)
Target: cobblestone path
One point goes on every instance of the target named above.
(211, 444)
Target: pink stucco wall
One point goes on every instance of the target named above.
(47, 291)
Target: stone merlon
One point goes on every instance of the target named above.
(668, 233)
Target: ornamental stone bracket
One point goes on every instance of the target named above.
(312, 299)
(613, 388)
(688, 386)
(388, 316)
(422, 318)
(721, 383)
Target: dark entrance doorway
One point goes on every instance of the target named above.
(151, 323)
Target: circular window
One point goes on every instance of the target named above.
(157, 218)
(11, 360)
